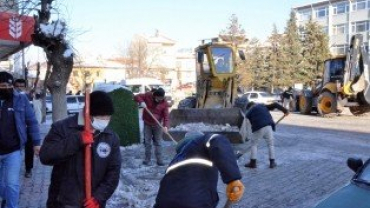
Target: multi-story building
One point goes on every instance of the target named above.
(340, 19)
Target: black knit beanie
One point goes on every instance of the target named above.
(101, 104)
(159, 92)
(6, 77)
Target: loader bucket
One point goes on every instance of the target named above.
(227, 121)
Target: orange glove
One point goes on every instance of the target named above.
(91, 203)
(87, 138)
(235, 190)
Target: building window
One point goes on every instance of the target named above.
(305, 15)
(325, 29)
(339, 49)
(341, 8)
(339, 29)
(359, 5)
(361, 26)
(301, 32)
(321, 12)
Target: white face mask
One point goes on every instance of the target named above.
(99, 124)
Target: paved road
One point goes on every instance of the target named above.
(311, 155)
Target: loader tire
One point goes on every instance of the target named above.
(327, 104)
(305, 104)
(359, 110)
(189, 102)
(241, 102)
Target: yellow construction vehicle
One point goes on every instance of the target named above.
(345, 83)
(215, 101)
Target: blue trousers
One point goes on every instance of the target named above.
(10, 167)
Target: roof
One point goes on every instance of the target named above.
(160, 38)
(316, 4)
(149, 81)
(98, 63)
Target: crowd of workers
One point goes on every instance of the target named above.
(190, 180)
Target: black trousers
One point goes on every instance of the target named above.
(28, 154)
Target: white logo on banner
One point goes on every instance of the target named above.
(15, 27)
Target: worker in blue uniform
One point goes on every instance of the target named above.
(191, 178)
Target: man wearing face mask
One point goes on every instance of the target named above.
(17, 120)
(155, 103)
(63, 148)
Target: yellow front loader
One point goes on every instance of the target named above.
(345, 84)
(215, 101)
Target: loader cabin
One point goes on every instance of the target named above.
(334, 70)
(217, 59)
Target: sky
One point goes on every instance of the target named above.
(104, 28)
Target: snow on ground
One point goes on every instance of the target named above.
(204, 127)
(139, 184)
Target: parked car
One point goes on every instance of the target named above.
(74, 103)
(260, 97)
(356, 194)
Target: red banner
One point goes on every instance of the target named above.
(15, 27)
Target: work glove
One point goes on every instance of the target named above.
(87, 138)
(91, 203)
(165, 130)
(142, 105)
(234, 190)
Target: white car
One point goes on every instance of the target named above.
(74, 103)
(260, 97)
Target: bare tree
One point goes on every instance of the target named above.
(51, 36)
(136, 57)
(142, 59)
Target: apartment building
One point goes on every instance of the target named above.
(340, 19)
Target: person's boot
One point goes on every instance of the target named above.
(272, 163)
(160, 163)
(28, 174)
(3, 203)
(251, 164)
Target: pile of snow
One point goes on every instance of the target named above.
(203, 127)
(138, 184)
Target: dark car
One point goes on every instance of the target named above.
(356, 194)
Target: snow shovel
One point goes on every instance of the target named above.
(166, 132)
(281, 118)
(87, 129)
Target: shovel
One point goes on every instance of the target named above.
(166, 132)
(87, 129)
(281, 118)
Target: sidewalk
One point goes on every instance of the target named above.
(33, 191)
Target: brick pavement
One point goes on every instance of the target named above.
(33, 192)
(309, 168)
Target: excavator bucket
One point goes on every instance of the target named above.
(227, 121)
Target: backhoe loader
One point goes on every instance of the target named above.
(215, 101)
(345, 84)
